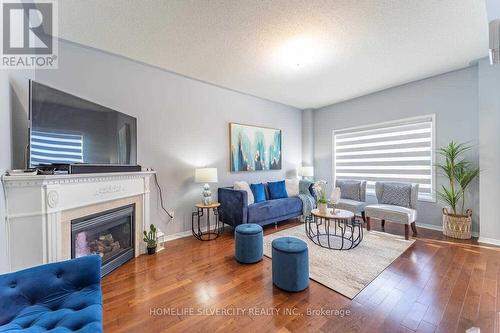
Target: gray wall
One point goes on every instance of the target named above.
(13, 102)
(182, 123)
(453, 97)
(308, 137)
(489, 139)
(5, 159)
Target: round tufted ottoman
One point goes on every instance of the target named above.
(248, 243)
(290, 264)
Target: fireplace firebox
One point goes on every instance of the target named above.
(109, 234)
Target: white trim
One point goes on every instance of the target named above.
(385, 135)
(178, 235)
(401, 122)
(491, 241)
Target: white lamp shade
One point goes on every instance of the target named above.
(205, 175)
(306, 171)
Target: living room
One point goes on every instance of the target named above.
(315, 138)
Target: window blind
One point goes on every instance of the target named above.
(397, 151)
(47, 148)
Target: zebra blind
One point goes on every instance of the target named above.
(399, 151)
(47, 148)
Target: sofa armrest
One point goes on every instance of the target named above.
(233, 208)
(362, 191)
(414, 196)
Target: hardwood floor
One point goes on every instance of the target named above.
(437, 285)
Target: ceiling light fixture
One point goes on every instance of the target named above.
(299, 52)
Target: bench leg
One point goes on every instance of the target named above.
(414, 228)
(368, 226)
(383, 223)
(363, 216)
(407, 232)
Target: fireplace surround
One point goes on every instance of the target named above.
(40, 211)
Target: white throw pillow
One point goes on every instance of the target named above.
(292, 187)
(243, 186)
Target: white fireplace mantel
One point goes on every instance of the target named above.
(40, 209)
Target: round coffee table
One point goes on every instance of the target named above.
(337, 229)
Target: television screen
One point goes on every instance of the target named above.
(66, 129)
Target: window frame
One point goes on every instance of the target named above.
(403, 121)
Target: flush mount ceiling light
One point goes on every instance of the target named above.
(495, 42)
(300, 52)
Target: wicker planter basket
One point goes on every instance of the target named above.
(457, 226)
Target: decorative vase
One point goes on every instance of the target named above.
(151, 250)
(322, 207)
(457, 226)
(207, 195)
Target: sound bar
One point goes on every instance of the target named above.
(97, 168)
(93, 168)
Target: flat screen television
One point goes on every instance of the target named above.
(65, 129)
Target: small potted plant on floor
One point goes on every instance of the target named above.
(460, 173)
(150, 238)
(319, 188)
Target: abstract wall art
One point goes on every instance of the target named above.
(254, 148)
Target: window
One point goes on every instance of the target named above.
(400, 151)
(47, 148)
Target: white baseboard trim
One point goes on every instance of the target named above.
(440, 228)
(420, 225)
(491, 241)
(178, 235)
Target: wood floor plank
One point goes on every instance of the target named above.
(438, 284)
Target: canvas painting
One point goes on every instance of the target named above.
(254, 148)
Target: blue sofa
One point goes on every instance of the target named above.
(234, 208)
(59, 297)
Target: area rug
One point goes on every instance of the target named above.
(349, 271)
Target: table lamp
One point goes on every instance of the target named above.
(205, 176)
(306, 171)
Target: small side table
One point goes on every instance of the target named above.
(209, 234)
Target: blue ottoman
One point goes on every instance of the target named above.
(248, 243)
(290, 264)
(59, 297)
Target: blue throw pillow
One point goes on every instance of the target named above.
(259, 192)
(277, 190)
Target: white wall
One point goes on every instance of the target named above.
(182, 123)
(453, 97)
(489, 140)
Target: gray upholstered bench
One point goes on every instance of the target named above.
(397, 202)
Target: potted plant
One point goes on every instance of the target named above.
(319, 188)
(150, 238)
(457, 221)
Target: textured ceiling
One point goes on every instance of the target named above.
(303, 53)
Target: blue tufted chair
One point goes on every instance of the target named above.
(59, 297)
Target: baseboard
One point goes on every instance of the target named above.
(420, 225)
(178, 235)
(440, 228)
(491, 241)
